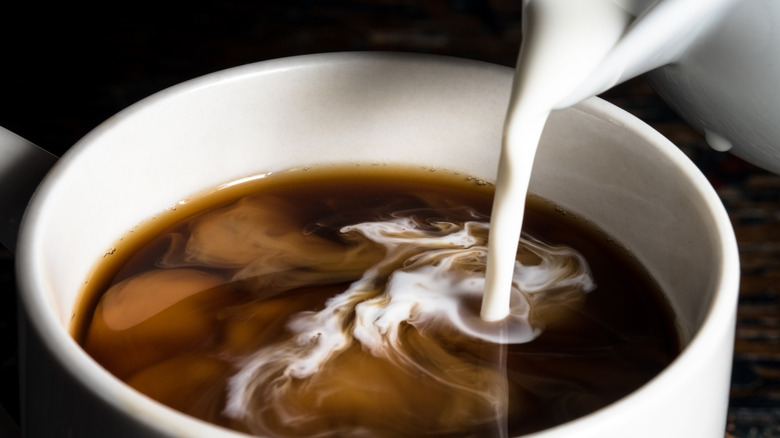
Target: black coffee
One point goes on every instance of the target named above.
(345, 302)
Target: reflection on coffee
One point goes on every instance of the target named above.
(345, 302)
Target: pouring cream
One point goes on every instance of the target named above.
(564, 42)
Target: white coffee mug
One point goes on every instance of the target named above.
(443, 113)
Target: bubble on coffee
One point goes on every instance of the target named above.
(341, 312)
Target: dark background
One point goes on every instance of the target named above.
(65, 67)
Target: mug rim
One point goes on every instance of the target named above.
(157, 416)
(721, 311)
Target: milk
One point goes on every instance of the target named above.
(563, 43)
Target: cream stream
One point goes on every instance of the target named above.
(563, 42)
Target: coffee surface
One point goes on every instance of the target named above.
(345, 302)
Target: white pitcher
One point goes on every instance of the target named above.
(716, 62)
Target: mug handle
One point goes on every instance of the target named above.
(22, 167)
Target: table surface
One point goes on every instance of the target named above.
(66, 68)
